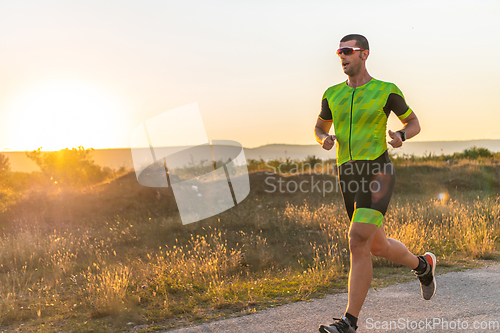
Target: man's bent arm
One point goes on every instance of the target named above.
(411, 128)
(321, 133)
(321, 130)
(411, 125)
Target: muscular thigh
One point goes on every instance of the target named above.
(367, 184)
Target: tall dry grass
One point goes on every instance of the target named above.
(146, 268)
(445, 226)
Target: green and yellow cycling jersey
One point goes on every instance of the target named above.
(359, 117)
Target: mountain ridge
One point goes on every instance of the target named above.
(122, 157)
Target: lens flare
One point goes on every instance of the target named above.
(443, 197)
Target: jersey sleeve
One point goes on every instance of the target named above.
(397, 104)
(326, 113)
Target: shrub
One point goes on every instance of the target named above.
(69, 167)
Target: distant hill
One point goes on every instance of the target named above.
(410, 148)
(116, 158)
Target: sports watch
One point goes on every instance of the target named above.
(403, 135)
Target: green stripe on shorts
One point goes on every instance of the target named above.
(368, 215)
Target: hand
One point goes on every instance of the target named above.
(396, 141)
(329, 142)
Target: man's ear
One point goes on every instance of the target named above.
(365, 54)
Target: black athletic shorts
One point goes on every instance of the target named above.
(367, 188)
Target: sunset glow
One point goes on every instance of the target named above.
(63, 114)
(87, 73)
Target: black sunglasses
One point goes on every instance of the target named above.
(348, 50)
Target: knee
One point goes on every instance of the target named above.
(358, 243)
(379, 249)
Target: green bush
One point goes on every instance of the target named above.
(4, 165)
(474, 153)
(69, 167)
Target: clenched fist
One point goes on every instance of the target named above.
(328, 142)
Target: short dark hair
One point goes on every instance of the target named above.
(361, 41)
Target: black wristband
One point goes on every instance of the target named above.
(403, 135)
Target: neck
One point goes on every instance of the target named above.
(358, 79)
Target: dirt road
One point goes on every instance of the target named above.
(467, 301)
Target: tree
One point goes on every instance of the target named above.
(4, 164)
(69, 167)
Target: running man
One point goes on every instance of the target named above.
(358, 109)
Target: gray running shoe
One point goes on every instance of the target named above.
(342, 325)
(427, 279)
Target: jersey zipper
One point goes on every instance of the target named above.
(350, 125)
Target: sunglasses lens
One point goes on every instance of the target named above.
(345, 50)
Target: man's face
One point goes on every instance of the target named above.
(352, 63)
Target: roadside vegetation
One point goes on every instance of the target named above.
(98, 252)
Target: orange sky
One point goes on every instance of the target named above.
(87, 73)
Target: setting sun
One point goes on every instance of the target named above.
(64, 114)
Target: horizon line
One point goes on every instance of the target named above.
(7, 150)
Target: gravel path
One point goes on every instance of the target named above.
(464, 302)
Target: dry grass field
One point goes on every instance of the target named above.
(115, 257)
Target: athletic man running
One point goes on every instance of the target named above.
(358, 108)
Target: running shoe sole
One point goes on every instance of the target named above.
(433, 264)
